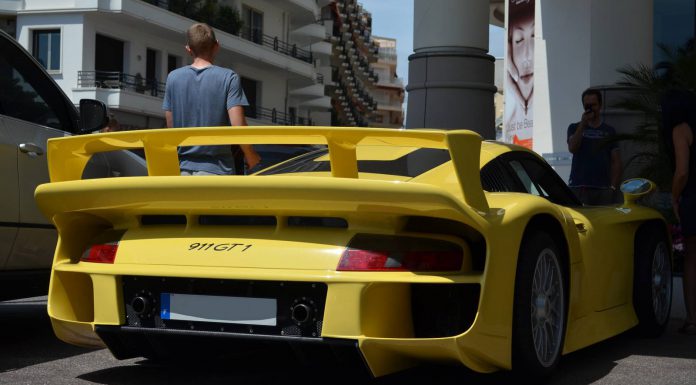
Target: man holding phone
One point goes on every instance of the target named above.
(595, 173)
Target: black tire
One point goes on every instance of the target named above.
(652, 281)
(538, 312)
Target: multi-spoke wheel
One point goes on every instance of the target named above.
(547, 307)
(652, 283)
(540, 306)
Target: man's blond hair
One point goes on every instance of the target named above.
(200, 38)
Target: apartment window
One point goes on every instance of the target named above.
(173, 62)
(253, 24)
(152, 64)
(46, 48)
(292, 114)
(252, 90)
(108, 54)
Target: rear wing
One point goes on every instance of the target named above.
(67, 157)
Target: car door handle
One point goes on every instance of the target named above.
(31, 149)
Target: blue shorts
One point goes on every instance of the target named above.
(687, 215)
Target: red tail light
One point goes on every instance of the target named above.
(101, 253)
(396, 253)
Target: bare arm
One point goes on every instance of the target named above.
(237, 118)
(616, 168)
(682, 139)
(575, 140)
(169, 118)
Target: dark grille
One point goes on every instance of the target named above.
(310, 296)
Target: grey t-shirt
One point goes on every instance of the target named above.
(200, 97)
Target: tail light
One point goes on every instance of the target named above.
(103, 248)
(398, 253)
(101, 253)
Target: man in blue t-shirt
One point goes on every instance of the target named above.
(205, 95)
(596, 170)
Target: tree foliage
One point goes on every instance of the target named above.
(647, 85)
(220, 16)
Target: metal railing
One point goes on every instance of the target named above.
(160, 3)
(121, 81)
(274, 116)
(277, 45)
(255, 36)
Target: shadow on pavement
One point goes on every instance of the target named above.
(27, 337)
(583, 367)
(214, 372)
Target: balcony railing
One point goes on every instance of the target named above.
(121, 81)
(274, 116)
(235, 28)
(277, 45)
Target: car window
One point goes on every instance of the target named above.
(538, 178)
(411, 164)
(495, 177)
(526, 180)
(28, 93)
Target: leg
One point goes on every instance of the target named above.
(689, 281)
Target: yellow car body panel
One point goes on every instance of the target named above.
(372, 308)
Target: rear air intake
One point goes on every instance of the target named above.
(443, 310)
(330, 222)
(237, 220)
(154, 220)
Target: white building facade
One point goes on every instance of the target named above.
(389, 91)
(120, 52)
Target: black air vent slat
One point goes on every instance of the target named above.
(237, 220)
(330, 222)
(152, 220)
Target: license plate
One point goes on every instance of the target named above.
(222, 309)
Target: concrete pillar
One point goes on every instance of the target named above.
(451, 75)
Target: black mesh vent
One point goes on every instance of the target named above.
(496, 178)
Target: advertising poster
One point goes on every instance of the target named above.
(518, 117)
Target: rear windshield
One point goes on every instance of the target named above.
(410, 165)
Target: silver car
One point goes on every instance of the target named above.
(33, 109)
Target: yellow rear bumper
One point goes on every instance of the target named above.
(376, 312)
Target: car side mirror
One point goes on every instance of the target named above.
(93, 115)
(633, 189)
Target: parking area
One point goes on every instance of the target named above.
(30, 354)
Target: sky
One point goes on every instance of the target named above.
(394, 18)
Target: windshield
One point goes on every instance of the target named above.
(413, 162)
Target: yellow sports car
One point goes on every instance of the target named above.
(388, 248)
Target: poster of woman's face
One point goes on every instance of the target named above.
(519, 80)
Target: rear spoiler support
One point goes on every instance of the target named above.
(68, 156)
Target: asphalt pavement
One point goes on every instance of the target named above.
(31, 354)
